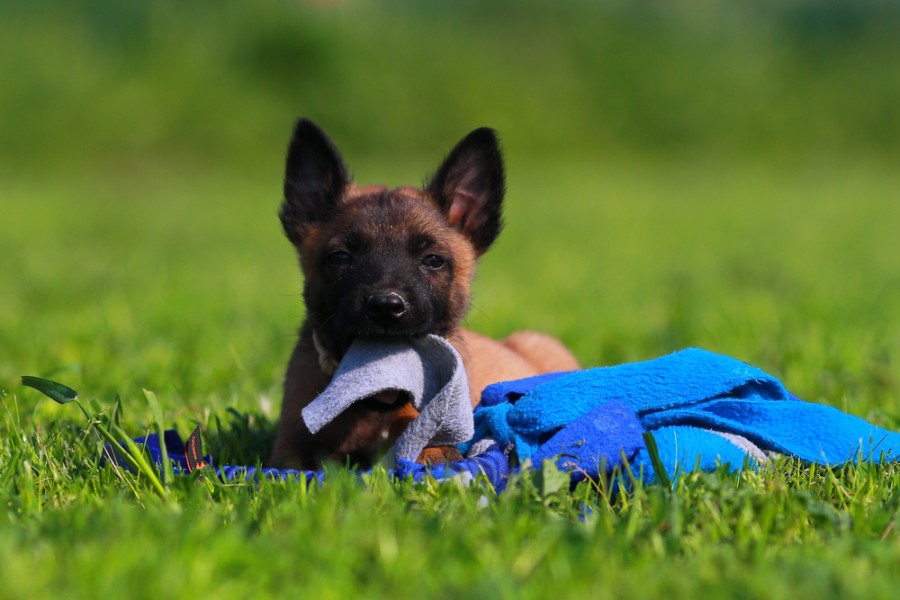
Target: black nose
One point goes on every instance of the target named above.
(384, 308)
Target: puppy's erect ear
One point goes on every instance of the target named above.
(469, 187)
(314, 179)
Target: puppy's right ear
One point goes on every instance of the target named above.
(314, 179)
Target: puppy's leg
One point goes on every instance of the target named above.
(294, 446)
(435, 455)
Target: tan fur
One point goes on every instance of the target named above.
(522, 354)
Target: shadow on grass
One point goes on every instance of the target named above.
(244, 439)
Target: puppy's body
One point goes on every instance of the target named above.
(381, 261)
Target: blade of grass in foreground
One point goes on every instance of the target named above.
(131, 453)
(62, 394)
(659, 469)
(156, 411)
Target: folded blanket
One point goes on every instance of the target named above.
(427, 370)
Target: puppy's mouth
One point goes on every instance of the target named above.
(387, 401)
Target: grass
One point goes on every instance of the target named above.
(723, 177)
(183, 285)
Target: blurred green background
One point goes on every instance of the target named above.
(122, 84)
(720, 174)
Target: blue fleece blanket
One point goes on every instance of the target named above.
(703, 410)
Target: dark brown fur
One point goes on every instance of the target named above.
(390, 261)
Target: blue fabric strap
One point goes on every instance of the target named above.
(493, 464)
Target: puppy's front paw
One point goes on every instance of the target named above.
(438, 454)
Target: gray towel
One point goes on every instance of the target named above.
(428, 369)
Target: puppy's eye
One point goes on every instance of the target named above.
(433, 261)
(340, 258)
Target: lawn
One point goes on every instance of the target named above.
(198, 301)
(154, 260)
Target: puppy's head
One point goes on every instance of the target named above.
(381, 261)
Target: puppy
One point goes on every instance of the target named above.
(400, 262)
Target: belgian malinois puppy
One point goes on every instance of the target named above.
(397, 262)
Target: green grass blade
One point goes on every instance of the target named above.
(653, 450)
(8, 473)
(142, 465)
(54, 390)
(110, 439)
(159, 424)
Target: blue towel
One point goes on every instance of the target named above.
(703, 409)
(595, 443)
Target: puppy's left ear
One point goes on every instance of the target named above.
(469, 187)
